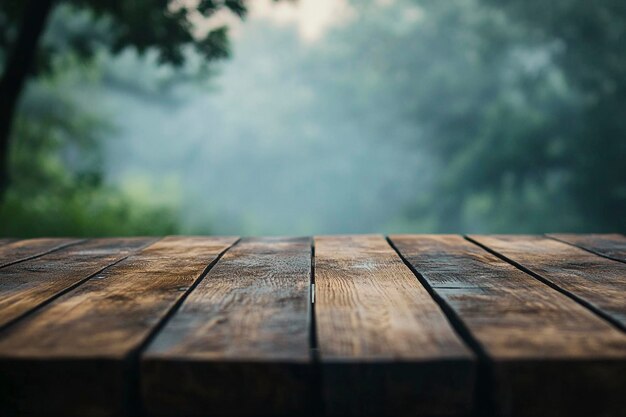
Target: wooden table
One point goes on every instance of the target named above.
(416, 325)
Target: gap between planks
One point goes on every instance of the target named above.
(49, 245)
(24, 349)
(244, 332)
(136, 406)
(579, 299)
(483, 385)
(514, 353)
(386, 347)
(451, 316)
(609, 246)
(317, 402)
(6, 322)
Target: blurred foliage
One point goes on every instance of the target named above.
(519, 104)
(58, 188)
(166, 26)
(57, 185)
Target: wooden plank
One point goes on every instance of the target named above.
(4, 241)
(385, 346)
(27, 285)
(597, 282)
(547, 355)
(75, 356)
(612, 246)
(239, 345)
(23, 250)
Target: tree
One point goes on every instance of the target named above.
(58, 186)
(164, 25)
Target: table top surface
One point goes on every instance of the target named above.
(354, 325)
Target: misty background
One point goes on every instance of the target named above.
(334, 117)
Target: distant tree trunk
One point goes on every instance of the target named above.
(18, 65)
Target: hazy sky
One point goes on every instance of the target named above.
(312, 17)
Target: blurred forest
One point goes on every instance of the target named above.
(400, 116)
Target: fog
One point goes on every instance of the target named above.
(269, 147)
(331, 116)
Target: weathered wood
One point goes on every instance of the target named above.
(544, 324)
(74, 356)
(597, 282)
(23, 250)
(239, 345)
(25, 286)
(612, 246)
(4, 241)
(385, 346)
(547, 355)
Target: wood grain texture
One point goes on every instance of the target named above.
(21, 250)
(27, 285)
(610, 245)
(239, 345)
(547, 355)
(386, 347)
(76, 355)
(596, 281)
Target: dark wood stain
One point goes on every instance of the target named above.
(431, 326)
(241, 334)
(13, 252)
(539, 343)
(73, 357)
(611, 245)
(26, 285)
(385, 346)
(596, 281)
